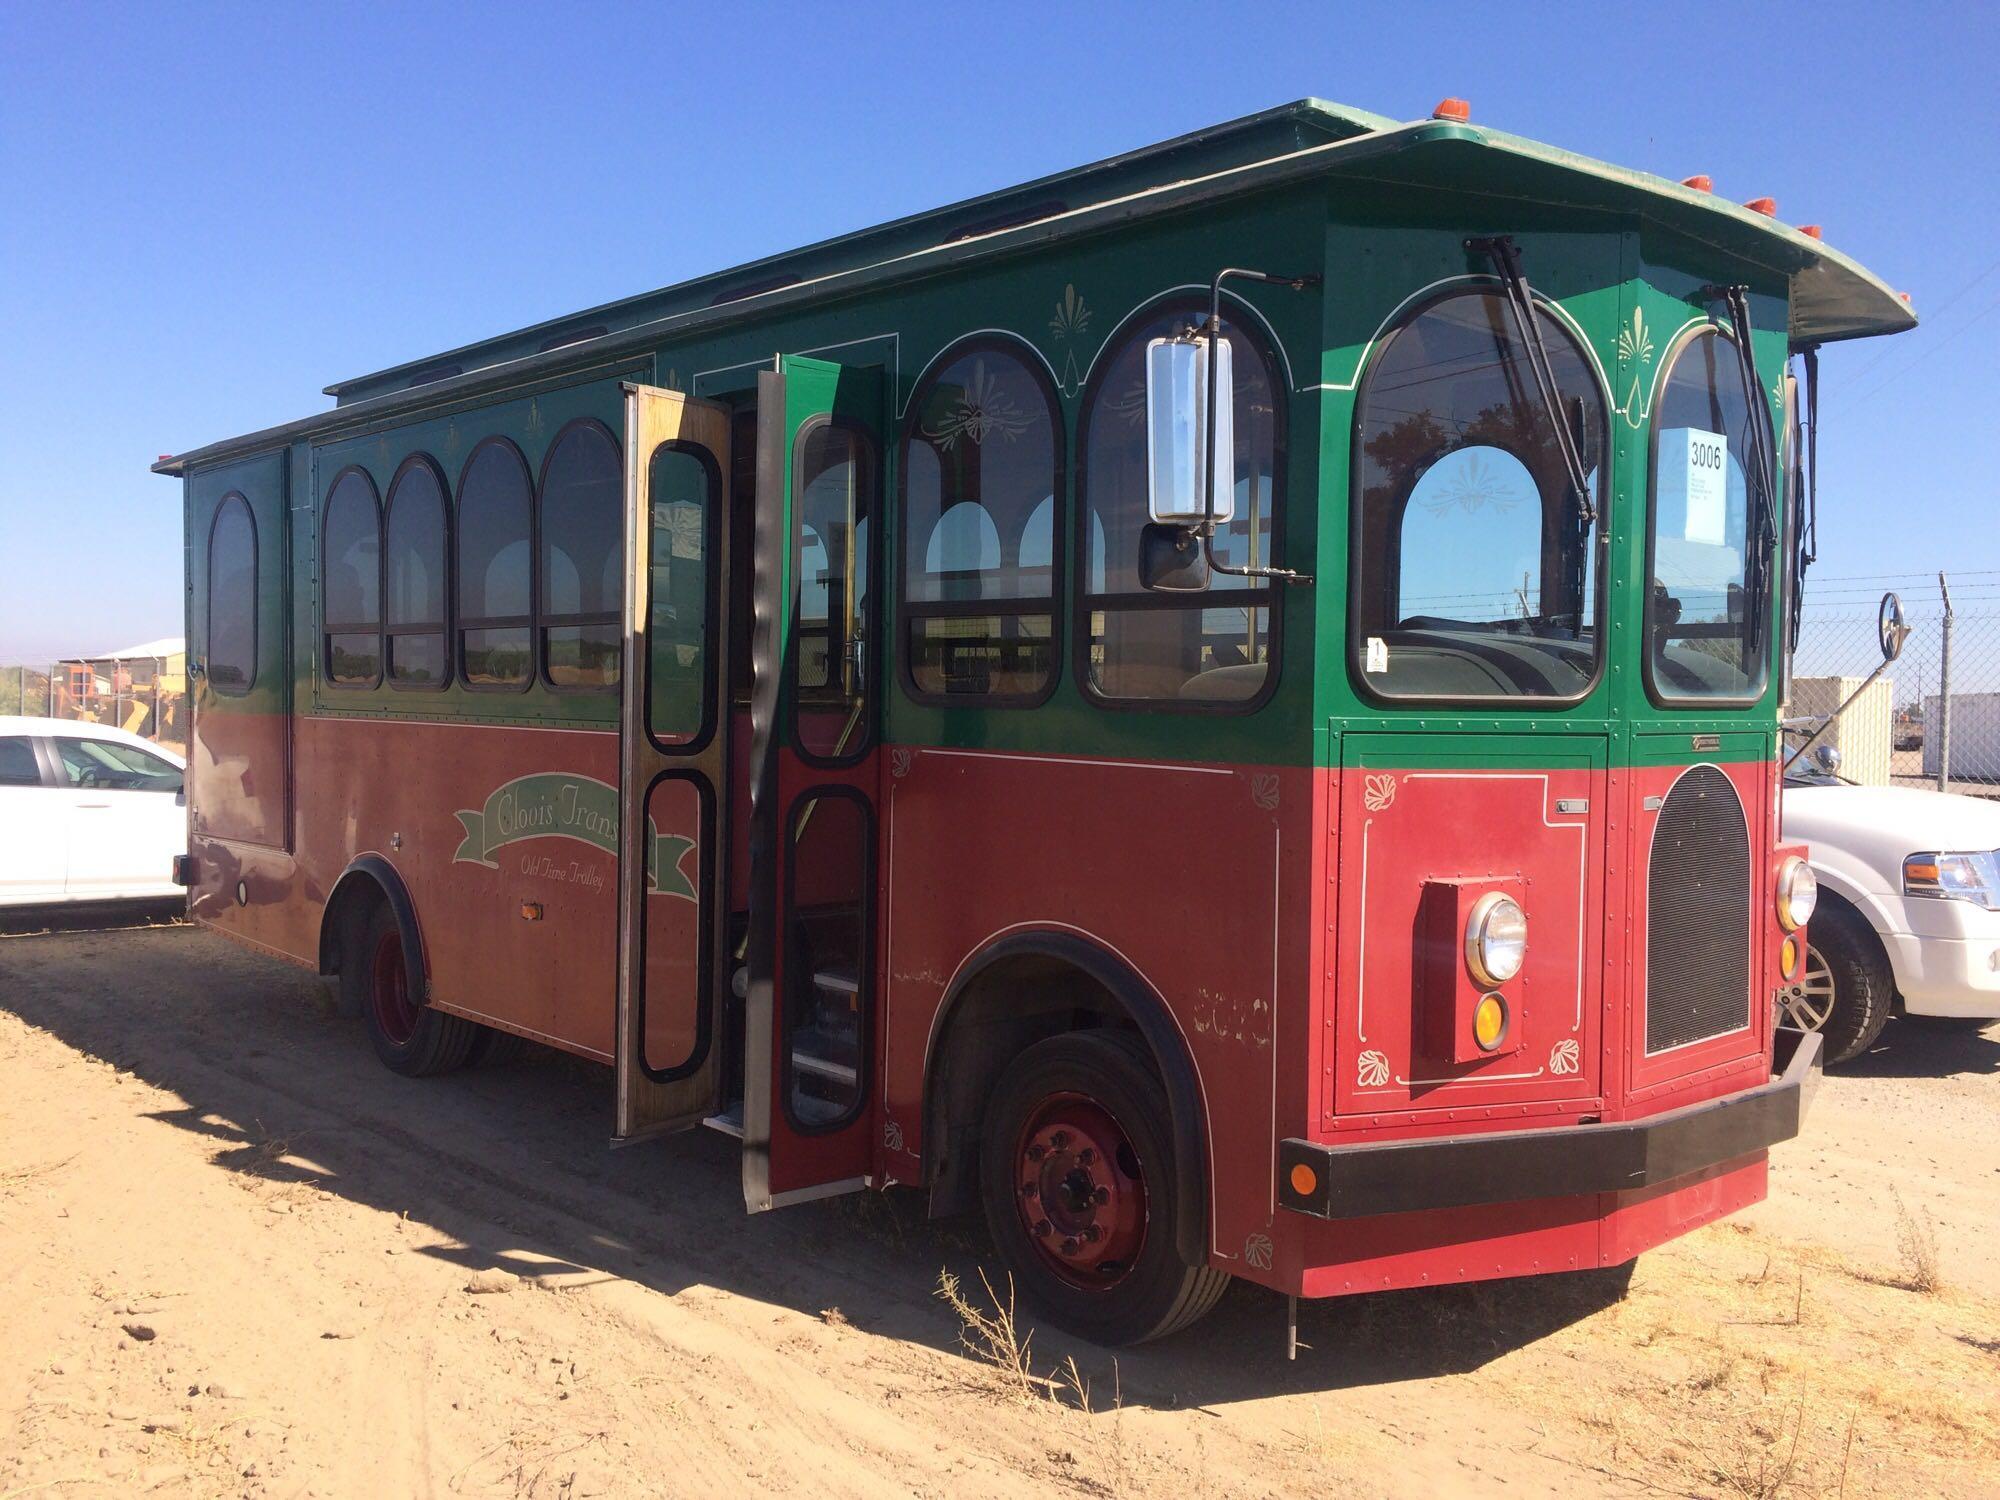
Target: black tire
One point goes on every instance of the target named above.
(1864, 990)
(409, 1036)
(494, 1048)
(1104, 1077)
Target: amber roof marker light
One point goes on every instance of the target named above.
(1701, 182)
(1768, 207)
(1457, 110)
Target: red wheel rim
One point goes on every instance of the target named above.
(1081, 1191)
(389, 991)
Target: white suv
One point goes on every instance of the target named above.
(1909, 908)
(87, 813)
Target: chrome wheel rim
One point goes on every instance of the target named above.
(1810, 998)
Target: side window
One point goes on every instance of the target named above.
(834, 490)
(1194, 650)
(231, 648)
(686, 512)
(582, 559)
(495, 602)
(351, 582)
(981, 470)
(18, 766)
(112, 766)
(1474, 573)
(413, 577)
(1706, 601)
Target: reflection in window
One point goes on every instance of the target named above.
(582, 558)
(1185, 648)
(980, 475)
(231, 654)
(1474, 575)
(1701, 606)
(834, 494)
(413, 593)
(494, 603)
(682, 488)
(107, 765)
(351, 582)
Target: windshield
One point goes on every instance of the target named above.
(1475, 575)
(117, 767)
(1704, 641)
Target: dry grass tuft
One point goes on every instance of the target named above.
(994, 1338)
(1917, 1243)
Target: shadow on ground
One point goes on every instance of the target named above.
(1921, 1047)
(510, 1161)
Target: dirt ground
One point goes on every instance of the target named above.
(239, 1257)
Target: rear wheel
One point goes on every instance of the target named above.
(377, 978)
(1845, 989)
(1077, 1176)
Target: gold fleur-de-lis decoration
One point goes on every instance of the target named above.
(1635, 343)
(1072, 316)
(984, 407)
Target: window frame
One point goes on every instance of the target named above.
(460, 624)
(869, 449)
(1353, 645)
(208, 602)
(545, 621)
(713, 516)
(1266, 593)
(1052, 605)
(1760, 411)
(327, 629)
(444, 626)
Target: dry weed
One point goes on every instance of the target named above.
(1917, 1243)
(994, 1338)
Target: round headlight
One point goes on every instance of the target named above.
(1798, 893)
(1496, 939)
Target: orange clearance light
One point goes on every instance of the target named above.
(1305, 1181)
(1452, 109)
(1906, 298)
(1766, 206)
(1811, 231)
(1489, 1022)
(1701, 182)
(163, 458)
(531, 911)
(1788, 957)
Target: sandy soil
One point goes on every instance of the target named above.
(238, 1257)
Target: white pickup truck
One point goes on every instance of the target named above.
(1909, 908)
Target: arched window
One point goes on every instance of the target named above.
(1197, 648)
(982, 455)
(1474, 569)
(413, 577)
(1707, 612)
(495, 597)
(582, 558)
(351, 582)
(231, 650)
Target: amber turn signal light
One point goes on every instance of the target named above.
(1788, 957)
(1489, 1022)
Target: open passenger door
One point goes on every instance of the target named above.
(673, 906)
(810, 1039)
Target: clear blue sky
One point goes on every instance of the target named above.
(207, 213)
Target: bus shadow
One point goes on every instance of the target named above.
(506, 1167)
(1919, 1048)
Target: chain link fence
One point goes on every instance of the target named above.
(1933, 717)
(145, 694)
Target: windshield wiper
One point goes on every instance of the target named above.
(1506, 258)
(1737, 299)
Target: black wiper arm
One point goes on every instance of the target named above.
(1737, 299)
(1506, 258)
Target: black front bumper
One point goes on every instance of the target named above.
(1461, 1171)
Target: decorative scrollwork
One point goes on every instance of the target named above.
(1372, 1071)
(1563, 1056)
(1378, 792)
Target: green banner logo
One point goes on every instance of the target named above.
(559, 805)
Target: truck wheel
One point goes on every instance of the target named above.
(1845, 990)
(1076, 1171)
(376, 978)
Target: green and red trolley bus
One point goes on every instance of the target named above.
(1222, 704)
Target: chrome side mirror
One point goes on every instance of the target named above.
(1178, 403)
(1890, 627)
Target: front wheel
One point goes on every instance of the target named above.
(1845, 989)
(377, 978)
(1077, 1175)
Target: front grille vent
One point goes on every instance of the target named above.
(1698, 914)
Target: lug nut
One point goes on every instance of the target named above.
(1036, 1151)
(1069, 1246)
(1060, 1139)
(1043, 1229)
(1101, 1197)
(1028, 1190)
(1086, 1156)
(1092, 1233)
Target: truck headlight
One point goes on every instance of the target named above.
(1971, 877)
(1496, 939)
(1798, 893)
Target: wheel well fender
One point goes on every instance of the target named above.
(371, 877)
(1021, 989)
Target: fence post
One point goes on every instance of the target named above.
(1944, 692)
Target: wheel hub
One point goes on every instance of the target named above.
(389, 990)
(1809, 999)
(1081, 1191)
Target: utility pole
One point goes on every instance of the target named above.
(1944, 692)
